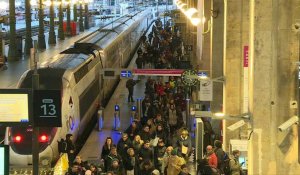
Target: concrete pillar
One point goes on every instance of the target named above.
(274, 51)
(217, 44)
(235, 34)
(217, 54)
(206, 46)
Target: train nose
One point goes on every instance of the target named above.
(21, 139)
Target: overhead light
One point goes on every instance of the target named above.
(47, 3)
(190, 12)
(219, 114)
(195, 21)
(33, 2)
(182, 5)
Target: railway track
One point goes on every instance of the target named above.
(22, 33)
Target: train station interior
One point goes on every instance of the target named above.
(164, 87)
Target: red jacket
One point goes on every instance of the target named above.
(213, 160)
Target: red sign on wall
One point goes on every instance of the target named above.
(246, 56)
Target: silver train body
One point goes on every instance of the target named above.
(75, 72)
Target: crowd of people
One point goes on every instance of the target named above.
(218, 162)
(162, 49)
(157, 142)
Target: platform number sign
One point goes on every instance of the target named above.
(47, 108)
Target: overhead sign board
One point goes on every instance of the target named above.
(206, 91)
(202, 74)
(15, 106)
(109, 74)
(126, 74)
(47, 108)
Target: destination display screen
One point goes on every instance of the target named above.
(14, 108)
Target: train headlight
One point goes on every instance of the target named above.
(17, 138)
(43, 138)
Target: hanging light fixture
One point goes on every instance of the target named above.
(190, 12)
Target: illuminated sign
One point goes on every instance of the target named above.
(47, 108)
(202, 74)
(126, 74)
(4, 160)
(117, 107)
(15, 106)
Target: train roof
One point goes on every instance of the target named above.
(109, 33)
(65, 61)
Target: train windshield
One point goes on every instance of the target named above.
(49, 78)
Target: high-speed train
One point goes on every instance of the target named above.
(75, 72)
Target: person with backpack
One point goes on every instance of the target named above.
(220, 155)
(235, 166)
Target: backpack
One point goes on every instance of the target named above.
(227, 170)
(62, 146)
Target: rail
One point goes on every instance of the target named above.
(22, 33)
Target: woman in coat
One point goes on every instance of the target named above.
(106, 147)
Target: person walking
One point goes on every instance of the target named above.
(129, 85)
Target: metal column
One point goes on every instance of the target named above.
(139, 108)
(117, 123)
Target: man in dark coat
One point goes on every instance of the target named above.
(131, 164)
(159, 152)
(147, 110)
(129, 85)
(139, 61)
(146, 153)
(70, 148)
(132, 130)
(123, 144)
(113, 155)
(220, 155)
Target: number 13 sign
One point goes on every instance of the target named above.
(47, 108)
